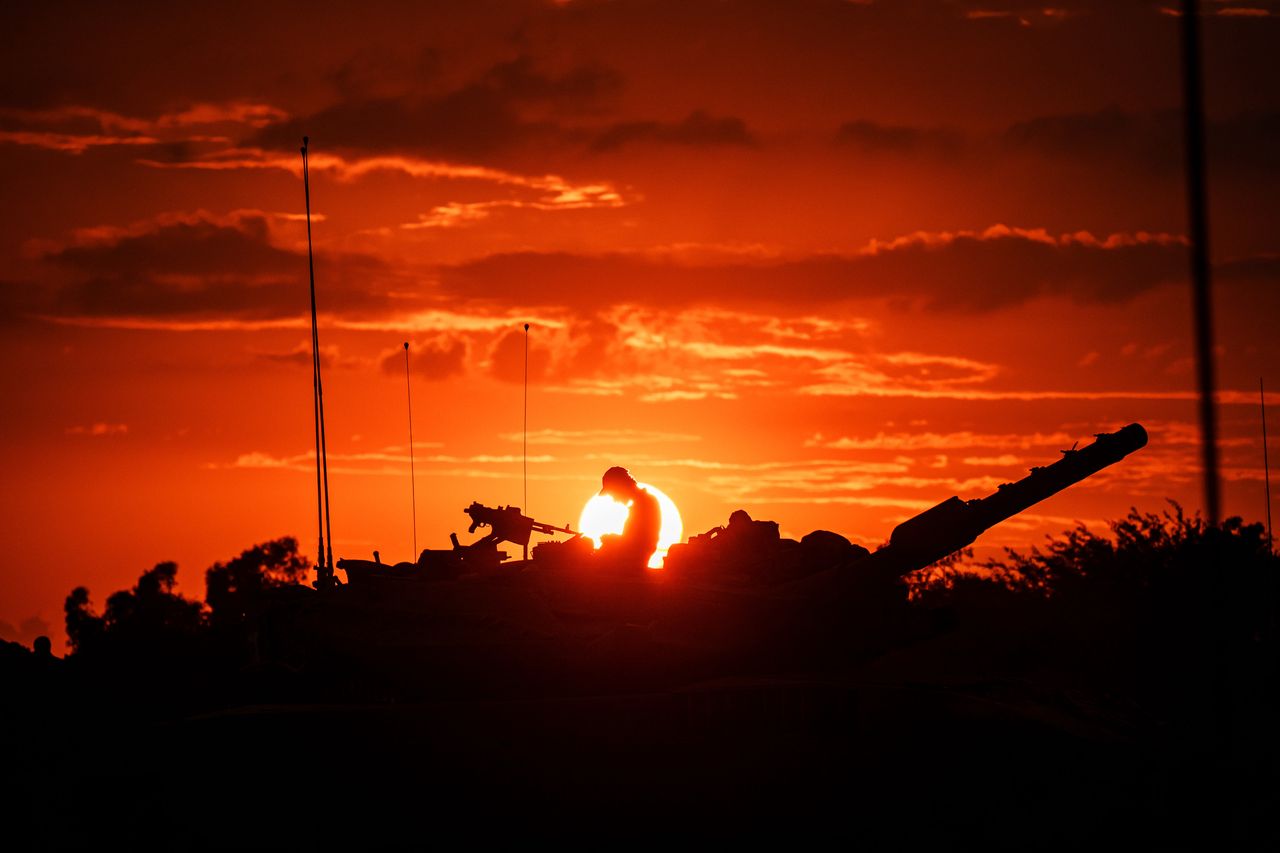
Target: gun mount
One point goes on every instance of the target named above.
(955, 523)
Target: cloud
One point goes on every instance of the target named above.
(543, 192)
(98, 430)
(1245, 12)
(1110, 135)
(513, 103)
(70, 143)
(649, 387)
(1229, 10)
(513, 357)
(873, 137)
(1149, 141)
(598, 437)
(184, 265)
(405, 320)
(698, 129)
(456, 214)
(371, 71)
(1146, 142)
(943, 441)
(193, 245)
(1004, 460)
(419, 136)
(963, 271)
(1263, 269)
(394, 461)
(300, 356)
(75, 129)
(660, 331)
(432, 359)
(713, 351)
(850, 381)
(1023, 16)
(445, 136)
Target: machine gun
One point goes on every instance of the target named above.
(955, 523)
(507, 524)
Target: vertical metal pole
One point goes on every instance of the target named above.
(1198, 221)
(324, 572)
(525, 440)
(1266, 464)
(413, 485)
(324, 463)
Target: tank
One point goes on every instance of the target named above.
(738, 601)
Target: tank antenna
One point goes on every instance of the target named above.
(324, 573)
(413, 486)
(1266, 465)
(525, 432)
(1198, 232)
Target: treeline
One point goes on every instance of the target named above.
(153, 623)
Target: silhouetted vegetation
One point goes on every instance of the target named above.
(152, 622)
(150, 618)
(235, 590)
(1147, 553)
(239, 592)
(1161, 567)
(1167, 616)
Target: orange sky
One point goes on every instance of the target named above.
(831, 262)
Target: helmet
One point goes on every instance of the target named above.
(616, 479)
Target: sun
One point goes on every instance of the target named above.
(603, 515)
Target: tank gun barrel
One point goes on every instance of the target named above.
(955, 523)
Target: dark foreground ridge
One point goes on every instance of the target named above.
(1114, 690)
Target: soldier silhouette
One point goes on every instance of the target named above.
(639, 539)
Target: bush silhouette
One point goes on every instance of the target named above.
(1168, 614)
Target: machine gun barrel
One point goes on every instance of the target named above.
(539, 527)
(955, 524)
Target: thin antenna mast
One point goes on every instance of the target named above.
(1198, 220)
(413, 486)
(1266, 465)
(525, 432)
(324, 574)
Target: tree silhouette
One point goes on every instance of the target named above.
(152, 616)
(236, 590)
(146, 620)
(241, 592)
(84, 628)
